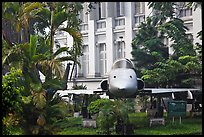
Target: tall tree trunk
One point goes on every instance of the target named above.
(72, 72)
(52, 31)
(66, 75)
(49, 76)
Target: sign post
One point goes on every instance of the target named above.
(176, 109)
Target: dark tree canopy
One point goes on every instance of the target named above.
(183, 67)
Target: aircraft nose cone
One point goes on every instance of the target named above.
(121, 89)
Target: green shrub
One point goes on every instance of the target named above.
(77, 87)
(106, 119)
(111, 114)
(70, 110)
(11, 100)
(95, 106)
(68, 122)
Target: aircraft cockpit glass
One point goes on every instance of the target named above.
(124, 63)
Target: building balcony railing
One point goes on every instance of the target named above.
(100, 24)
(139, 18)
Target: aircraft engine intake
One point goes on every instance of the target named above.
(104, 84)
(140, 84)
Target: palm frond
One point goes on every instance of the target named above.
(58, 68)
(54, 84)
(28, 7)
(74, 33)
(39, 57)
(33, 45)
(39, 99)
(60, 50)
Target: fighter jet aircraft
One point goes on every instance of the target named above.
(123, 82)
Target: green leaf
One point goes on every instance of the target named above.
(33, 45)
(59, 109)
(66, 58)
(39, 57)
(186, 59)
(31, 6)
(60, 50)
(59, 18)
(74, 33)
(36, 87)
(54, 84)
(39, 100)
(26, 50)
(27, 99)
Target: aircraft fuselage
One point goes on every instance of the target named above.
(122, 82)
(122, 79)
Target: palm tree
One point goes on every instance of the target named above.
(32, 58)
(54, 15)
(35, 91)
(20, 15)
(60, 12)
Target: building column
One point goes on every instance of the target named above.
(109, 42)
(129, 22)
(197, 24)
(92, 46)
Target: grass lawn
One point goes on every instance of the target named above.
(73, 126)
(188, 126)
(78, 131)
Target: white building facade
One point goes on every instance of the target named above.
(108, 31)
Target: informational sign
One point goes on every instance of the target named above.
(176, 109)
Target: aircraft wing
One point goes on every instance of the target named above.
(80, 91)
(171, 91)
(167, 90)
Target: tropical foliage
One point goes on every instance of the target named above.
(34, 53)
(150, 54)
(95, 106)
(12, 100)
(111, 114)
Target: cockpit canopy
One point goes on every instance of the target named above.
(123, 63)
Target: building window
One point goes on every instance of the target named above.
(119, 49)
(119, 21)
(84, 16)
(119, 9)
(101, 24)
(85, 61)
(83, 26)
(139, 8)
(102, 10)
(102, 59)
(183, 10)
(139, 19)
(139, 12)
